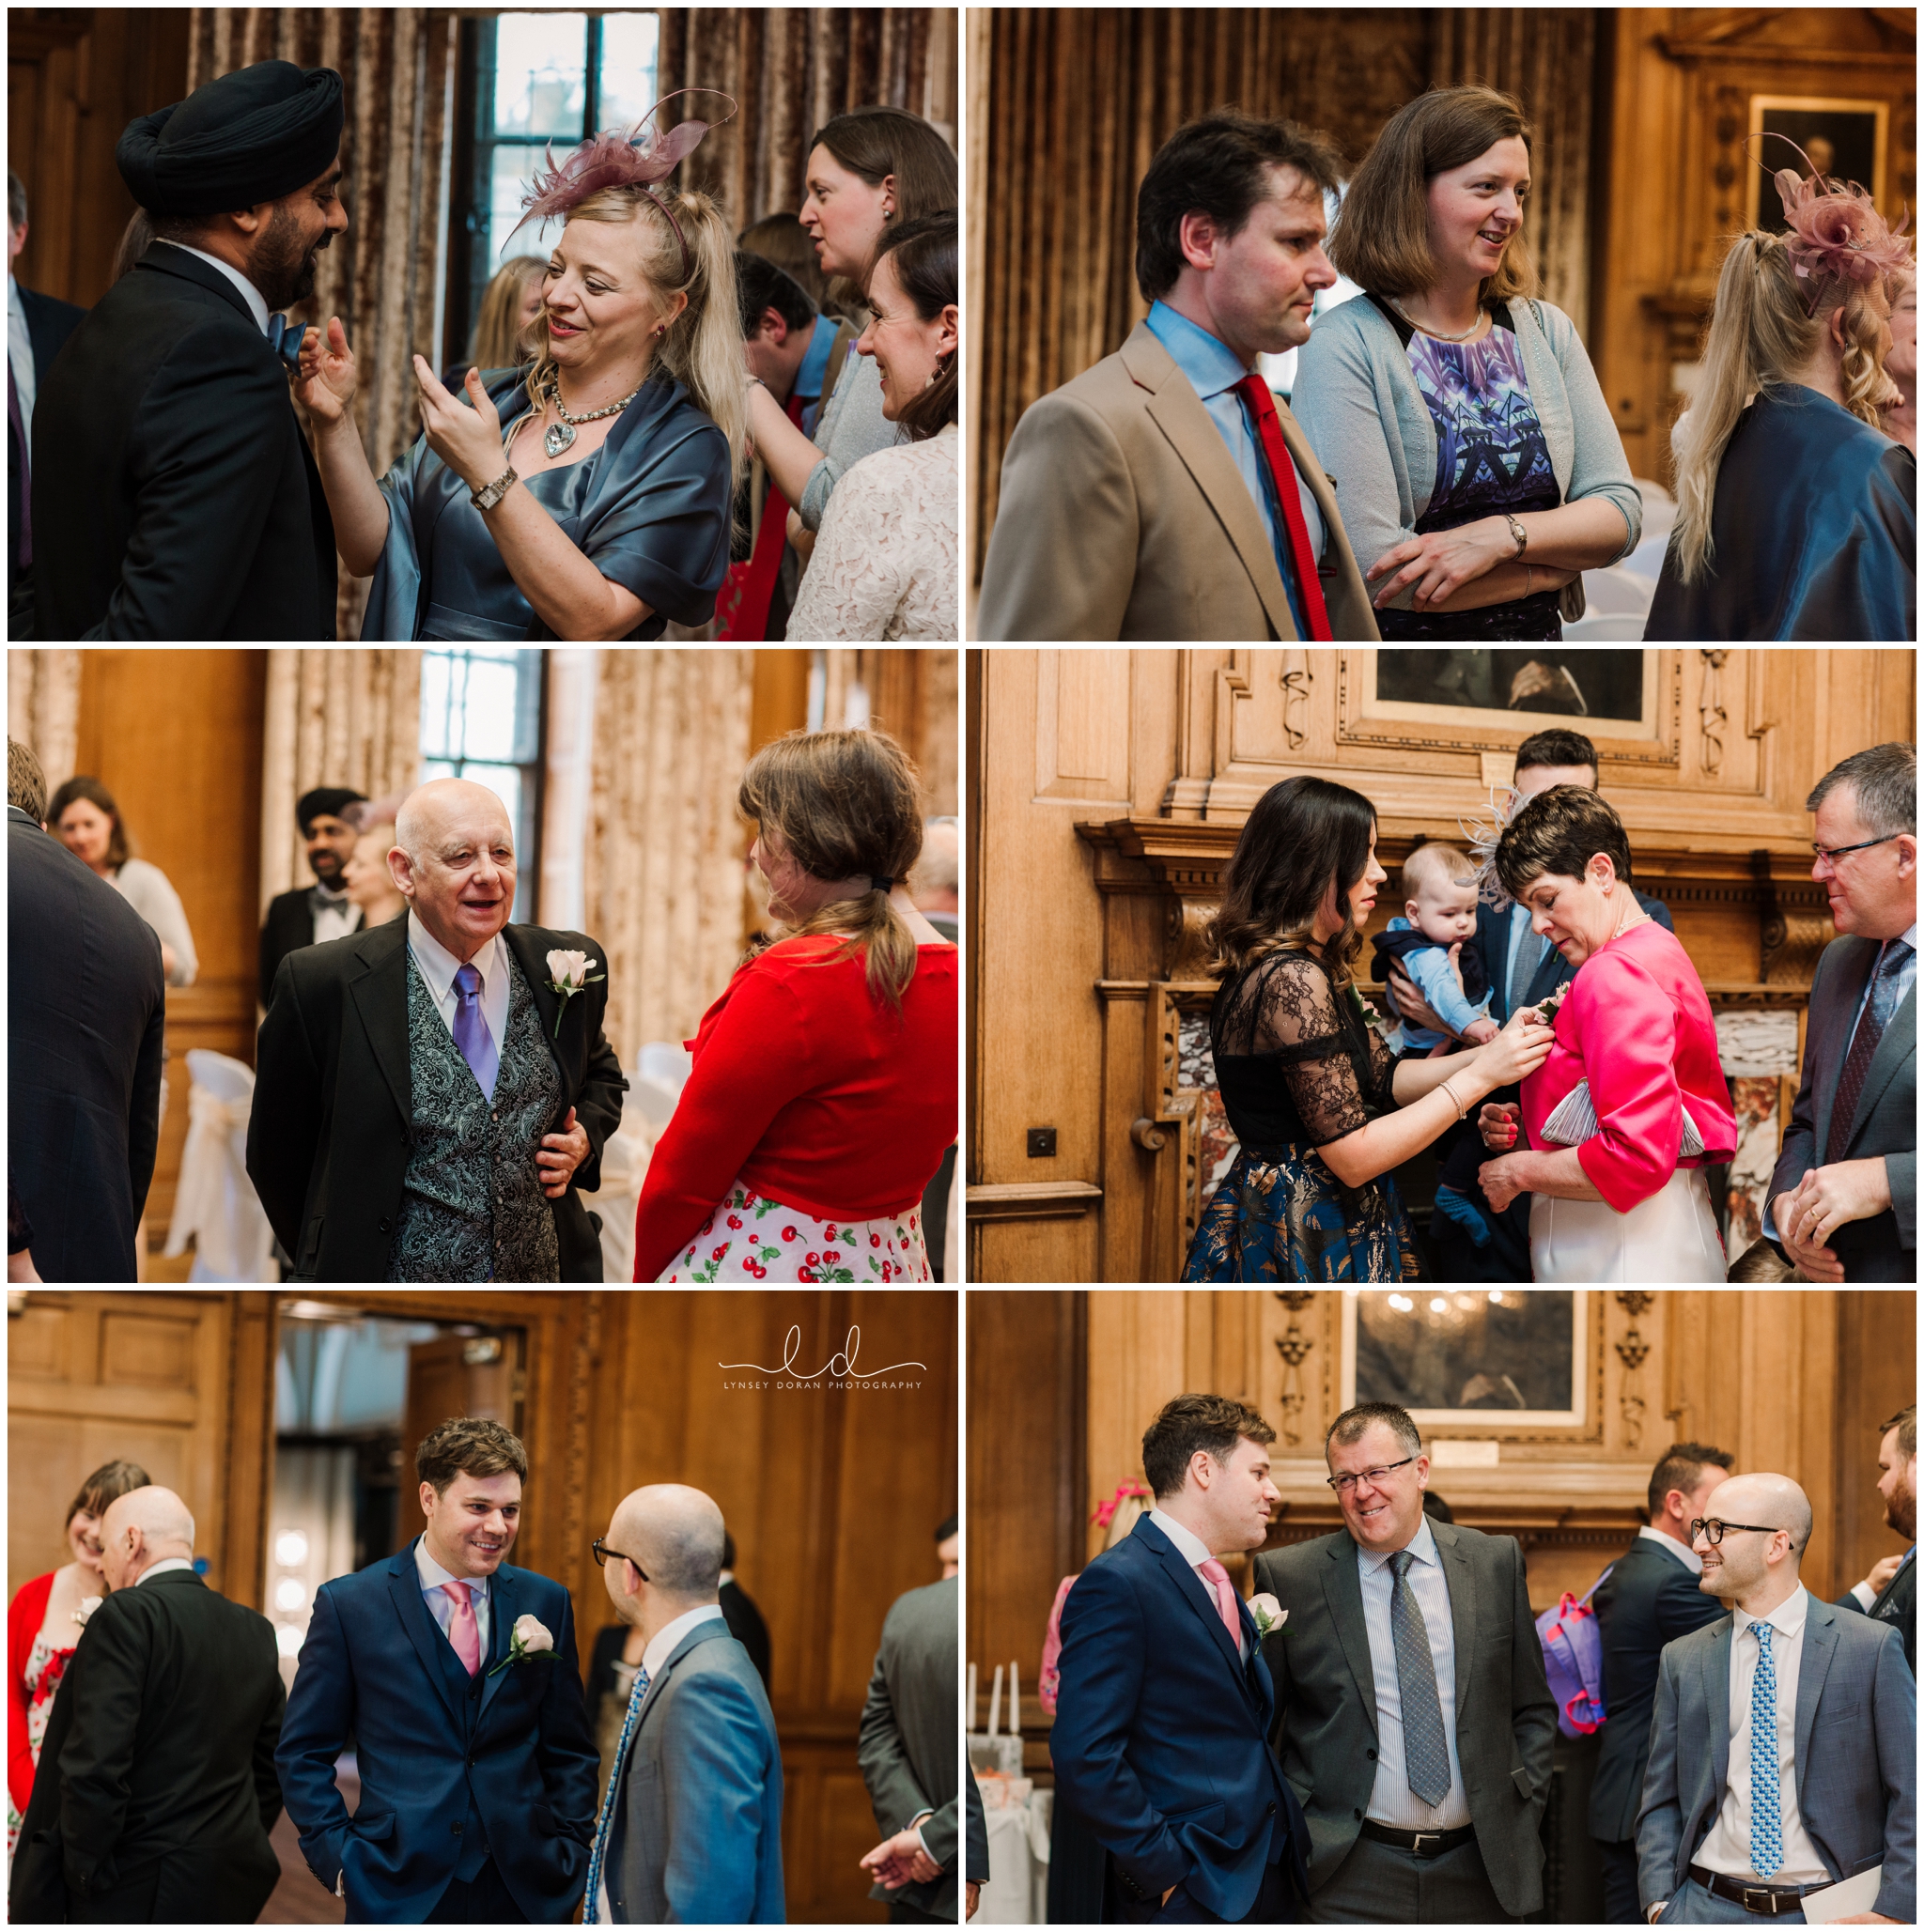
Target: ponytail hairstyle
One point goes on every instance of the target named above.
(703, 346)
(1762, 331)
(926, 252)
(846, 803)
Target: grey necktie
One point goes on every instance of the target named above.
(1523, 968)
(1425, 1750)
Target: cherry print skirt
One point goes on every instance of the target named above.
(750, 1238)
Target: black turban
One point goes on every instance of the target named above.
(325, 798)
(247, 138)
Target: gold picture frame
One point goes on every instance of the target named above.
(1860, 123)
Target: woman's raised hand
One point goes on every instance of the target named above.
(1518, 1050)
(326, 376)
(1497, 1123)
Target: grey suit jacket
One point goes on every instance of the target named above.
(1855, 1748)
(1326, 1700)
(697, 1834)
(908, 1748)
(1884, 1248)
(1122, 516)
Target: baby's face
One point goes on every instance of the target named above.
(1443, 911)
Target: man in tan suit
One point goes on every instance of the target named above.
(1140, 500)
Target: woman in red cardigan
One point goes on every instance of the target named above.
(824, 1088)
(44, 1626)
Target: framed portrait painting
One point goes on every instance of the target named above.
(1498, 1361)
(1845, 139)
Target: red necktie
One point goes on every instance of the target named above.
(1282, 472)
(750, 588)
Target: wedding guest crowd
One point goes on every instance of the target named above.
(578, 477)
(1446, 466)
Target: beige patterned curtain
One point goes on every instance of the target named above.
(43, 709)
(1078, 99)
(383, 278)
(662, 885)
(333, 717)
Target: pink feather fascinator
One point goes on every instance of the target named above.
(620, 158)
(1835, 228)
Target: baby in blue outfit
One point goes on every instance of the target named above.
(1440, 888)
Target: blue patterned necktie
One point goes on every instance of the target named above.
(472, 1037)
(1425, 1749)
(628, 1729)
(1766, 1807)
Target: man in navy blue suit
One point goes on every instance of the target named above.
(1163, 1713)
(456, 1676)
(1521, 968)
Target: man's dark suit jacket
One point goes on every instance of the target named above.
(86, 1008)
(332, 1122)
(746, 1627)
(1648, 1600)
(174, 495)
(1884, 1247)
(48, 323)
(157, 1789)
(288, 925)
(1326, 1700)
(1897, 1603)
(1161, 1733)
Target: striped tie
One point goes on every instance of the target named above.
(627, 1727)
(1766, 1793)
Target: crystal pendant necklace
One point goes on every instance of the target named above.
(560, 435)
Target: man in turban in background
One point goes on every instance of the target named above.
(174, 494)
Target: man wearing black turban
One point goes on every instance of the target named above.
(309, 915)
(174, 495)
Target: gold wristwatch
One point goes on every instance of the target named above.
(486, 499)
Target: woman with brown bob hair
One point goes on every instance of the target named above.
(43, 1625)
(1479, 472)
(823, 1092)
(1321, 1110)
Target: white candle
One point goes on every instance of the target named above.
(995, 1704)
(971, 1697)
(1014, 1703)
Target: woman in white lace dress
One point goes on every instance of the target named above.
(886, 563)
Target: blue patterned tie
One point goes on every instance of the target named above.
(472, 1037)
(1425, 1749)
(1766, 1807)
(628, 1728)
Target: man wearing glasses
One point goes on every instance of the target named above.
(1843, 1200)
(1414, 1718)
(1783, 1753)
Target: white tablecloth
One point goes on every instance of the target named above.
(1017, 1894)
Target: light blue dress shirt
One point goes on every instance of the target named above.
(1393, 1803)
(1213, 372)
(812, 370)
(20, 355)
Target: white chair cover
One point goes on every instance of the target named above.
(215, 1203)
(624, 1168)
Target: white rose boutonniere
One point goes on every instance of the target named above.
(532, 1637)
(88, 1606)
(1546, 1007)
(567, 973)
(1270, 1615)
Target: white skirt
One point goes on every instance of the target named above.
(1671, 1237)
(751, 1238)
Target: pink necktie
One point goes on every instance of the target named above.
(1216, 1578)
(464, 1634)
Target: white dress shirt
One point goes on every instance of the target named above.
(20, 355)
(1195, 1553)
(660, 1647)
(437, 966)
(163, 1567)
(339, 917)
(1671, 1547)
(1393, 1803)
(1727, 1846)
(441, 1606)
(256, 300)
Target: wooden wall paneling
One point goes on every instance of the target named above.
(176, 736)
(92, 1376)
(1876, 1376)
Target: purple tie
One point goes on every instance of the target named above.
(470, 1030)
(27, 492)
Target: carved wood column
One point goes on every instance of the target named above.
(43, 709)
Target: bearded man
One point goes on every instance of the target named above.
(174, 495)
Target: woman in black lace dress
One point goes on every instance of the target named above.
(1321, 1110)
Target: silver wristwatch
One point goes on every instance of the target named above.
(486, 499)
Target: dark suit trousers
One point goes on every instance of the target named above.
(1381, 1884)
(199, 1886)
(1620, 1882)
(1272, 1906)
(482, 1900)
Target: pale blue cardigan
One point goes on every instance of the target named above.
(1353, 378)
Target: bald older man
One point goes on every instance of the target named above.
(1783, 1749)
(691, 1829)
(432, 1096)
(157, 1788)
